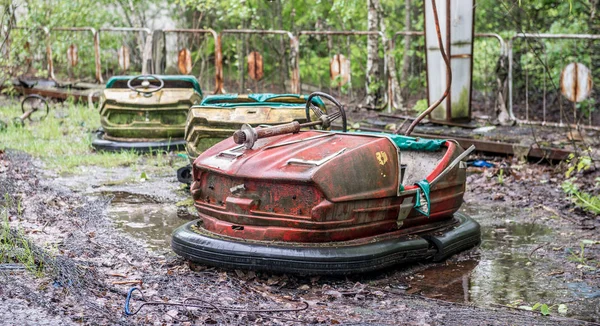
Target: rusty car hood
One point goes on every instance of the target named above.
(344, 166)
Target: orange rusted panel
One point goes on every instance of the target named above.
(576, 82)
(184, 61)
(255, 65)
(123, 55)
(72, 56)
(339, 70)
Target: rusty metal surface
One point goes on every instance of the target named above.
(184, 61)
(255, 65)
(123, 58)
(318, 203)
(576, 82)
(72, 55)
(339, 70)
(457, 33)
(489, 146)
(61, 93)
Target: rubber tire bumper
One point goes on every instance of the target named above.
(184, 174)
(101, 144)
(205, 248)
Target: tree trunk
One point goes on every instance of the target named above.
(407, 27)
(395, 100)
(373, 75)
(284, 69)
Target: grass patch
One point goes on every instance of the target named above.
(15, 248)
(63, 139)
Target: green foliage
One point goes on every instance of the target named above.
(421, 106)
(543, 308)
(62, 140)
(14, 248)
(580, 256)
(585, 200)
(500, 177)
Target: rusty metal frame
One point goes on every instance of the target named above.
(48, 49)
(501, 42)
(294, 47)
(96, 46)
(146, 53)
(218, 53)
(510, 75)
(349, 33)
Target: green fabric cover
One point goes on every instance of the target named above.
(191, 79)
(411, 143)
(261, 99)
(423, 187)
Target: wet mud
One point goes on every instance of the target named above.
(116, 236)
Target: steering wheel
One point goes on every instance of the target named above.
(146, 85)
(34, 107)
(326, 118)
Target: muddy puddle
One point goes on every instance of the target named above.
(145, 218)
(511, 269)
(517, 263)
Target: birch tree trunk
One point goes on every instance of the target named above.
(373, 74)
(395, 100)
(407, 27)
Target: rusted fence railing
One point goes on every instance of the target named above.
(260, 69)
(116, 54)
(296, 70)
(535, 72)
(341, 66)
(72, 51)
(27, 48)
(184, 60)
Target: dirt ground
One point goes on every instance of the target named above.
(90, 263)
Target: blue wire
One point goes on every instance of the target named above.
(127, 311)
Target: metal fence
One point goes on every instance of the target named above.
(339, 64)
(76, 54)
(29, 53)
(122, 50)
(489, 49)
(537, 62)
(192, 52)
(277, 61)
(257, 60)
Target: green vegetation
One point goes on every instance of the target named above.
(500, 177)
(543, 308)
(587, 201)
(505, 18)
(62, 140)
(14, 247)
(580, 258)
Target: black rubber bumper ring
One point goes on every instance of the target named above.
(330, 259)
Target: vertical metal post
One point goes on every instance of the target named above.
(545, 77)
(510, 79)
